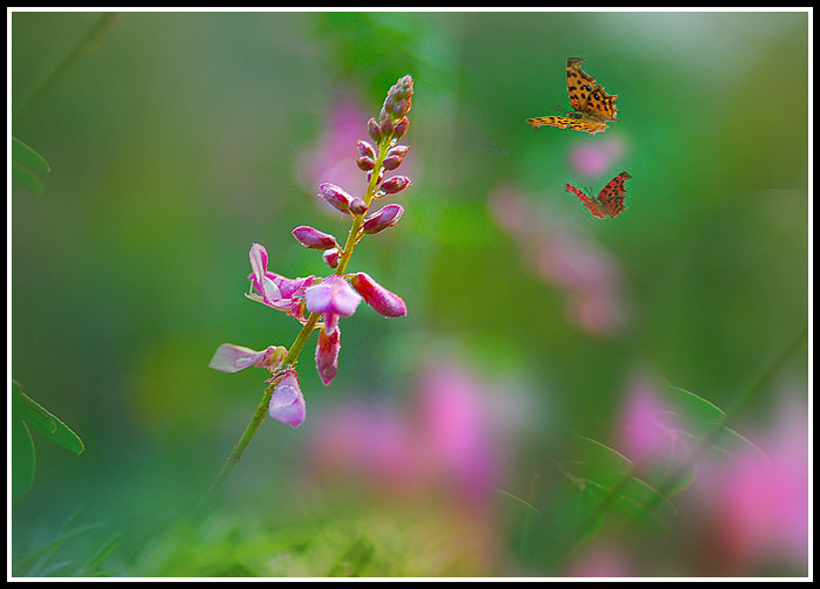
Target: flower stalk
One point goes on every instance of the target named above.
(335, 296)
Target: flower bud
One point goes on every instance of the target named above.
(365, 163)
(327, 354)
(379, 298)
(373, 130)
(383, 218)
(365, 149)
(378, 179)
(395, 184)
(331, 257)
(314, 239)
(338, 198)
(385, 125)
(357, 207)
(395, 156)
(400, 128)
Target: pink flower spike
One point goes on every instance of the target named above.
(379, 298)
(231, 358)
(332, 296)
(287, 404)
(327, 354)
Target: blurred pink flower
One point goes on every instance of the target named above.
(594, 160)
(452, 444)
(589, 276)
(601, 560)
(647, 431)
(757, 514)
(333, 158)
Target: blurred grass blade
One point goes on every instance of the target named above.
(597, 453)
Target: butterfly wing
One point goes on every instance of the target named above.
(588, 202)
(612, 196)
(577, 122)
(586, 95)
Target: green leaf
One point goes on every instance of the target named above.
(23, 457)
(45, 422)
(22, 158)
(20, 152)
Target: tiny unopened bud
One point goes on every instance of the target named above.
(400, 128)
(386, 125)
(392, 162)
(358, 207)
(395, 184)
(385, 217)
(395, 155)
(365, 149)
(373, 130)
(313, 238)
(331, 257)
(365, 163)
(338, 198)
(378, 179)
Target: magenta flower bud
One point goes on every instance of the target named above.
(379, 298)
(385, 217)
(395, 156)
(385, 125)
(398, 150)
(373, 130)
(365, 149)
(287, 404)
(400, 128)
(365, 163)
(358, 207)
(327, 354)
(331, 257)
(395, 184)
(378, 179)
(338, 198)
(403, 88)
(314, 239)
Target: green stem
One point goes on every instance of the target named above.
(259, 415)
(353, 235)
(89, 43)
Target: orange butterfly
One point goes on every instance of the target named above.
(593, 107)
(609, 202)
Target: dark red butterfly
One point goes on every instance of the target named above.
(609, 202)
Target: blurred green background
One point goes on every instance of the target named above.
(186, 137)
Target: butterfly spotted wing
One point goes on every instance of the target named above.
(593, 107)
(610, 201)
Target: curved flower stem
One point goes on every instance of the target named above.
(259, 415)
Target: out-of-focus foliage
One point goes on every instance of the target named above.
(186, 137)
